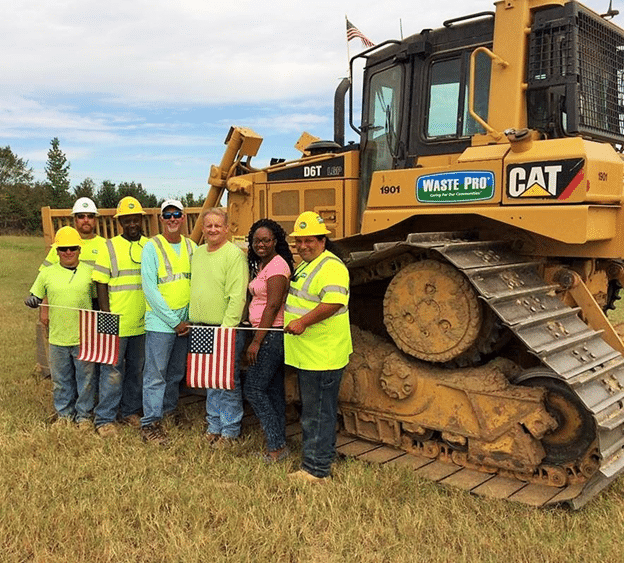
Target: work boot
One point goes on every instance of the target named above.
(134, 421)
(212, 438)
(85, 425)
(272, 457)
(302, 475)
(154, 433)
(107, 430)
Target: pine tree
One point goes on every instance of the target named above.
(58, 175)
(86, 188)
(107, 196)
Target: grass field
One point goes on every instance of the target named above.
(70, 496)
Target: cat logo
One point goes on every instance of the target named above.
(550, 179)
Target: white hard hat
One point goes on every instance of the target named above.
(84, 205)
(174, 203)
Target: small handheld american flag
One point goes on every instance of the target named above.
(99, 337)
(211, 358)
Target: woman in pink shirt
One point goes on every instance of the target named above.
(271, 265)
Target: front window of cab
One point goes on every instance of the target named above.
(381, 125)
(448, 111)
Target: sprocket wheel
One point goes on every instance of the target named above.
(431, 311)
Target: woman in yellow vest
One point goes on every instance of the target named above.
(317, 341)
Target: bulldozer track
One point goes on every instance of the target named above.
(511, 285)
(445, 473)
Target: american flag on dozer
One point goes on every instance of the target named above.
(99, 337)
(211, 358)
(354, 32)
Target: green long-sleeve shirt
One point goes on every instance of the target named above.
(218, 285)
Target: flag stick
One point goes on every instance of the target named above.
(241, 328)
(348, 46)
(45, 304)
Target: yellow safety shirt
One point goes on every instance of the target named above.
(64, 287)
(326, 345)
(119, 265)
(174, 272)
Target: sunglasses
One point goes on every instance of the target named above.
(168, 215)
(134, 251)
(73, 248)
(85, 216)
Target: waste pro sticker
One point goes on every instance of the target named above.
(458, 186)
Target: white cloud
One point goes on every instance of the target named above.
(142, 52)
(187, 51)
(95, 74)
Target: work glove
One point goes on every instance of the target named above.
(32, 301)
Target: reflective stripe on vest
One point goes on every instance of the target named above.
(174, 272)
(303, 293)
(116, 285)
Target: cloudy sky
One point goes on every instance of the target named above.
(146, 91)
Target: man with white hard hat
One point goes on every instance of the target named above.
(84, 212)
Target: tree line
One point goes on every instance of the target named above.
(21, 197)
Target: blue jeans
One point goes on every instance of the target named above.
(319, 391)
(73, 383)
(224, 408)
(120, 384)
(264, 389)
(166, 357)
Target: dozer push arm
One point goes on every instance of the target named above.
(240, 143)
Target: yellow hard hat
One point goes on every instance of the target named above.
(127, 206)
(309, 223)
(67, 237)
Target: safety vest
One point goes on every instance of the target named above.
(325, 345)
(174, 272)
(122, 272)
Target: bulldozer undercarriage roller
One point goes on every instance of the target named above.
(557, 427)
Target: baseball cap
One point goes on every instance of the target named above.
(174, 203)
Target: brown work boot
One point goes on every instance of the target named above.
(302, 475)
(134, 421)
(154, 433)
(212, 438)
(85, 426)
(107, 430)
(276, 456)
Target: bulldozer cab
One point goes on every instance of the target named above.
(428, 98)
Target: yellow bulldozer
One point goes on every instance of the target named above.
(481, 218)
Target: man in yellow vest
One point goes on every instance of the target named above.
(84, 212)
(317, 341)
(117, 275)
(165, 278)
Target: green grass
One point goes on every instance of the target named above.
(70, 496)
